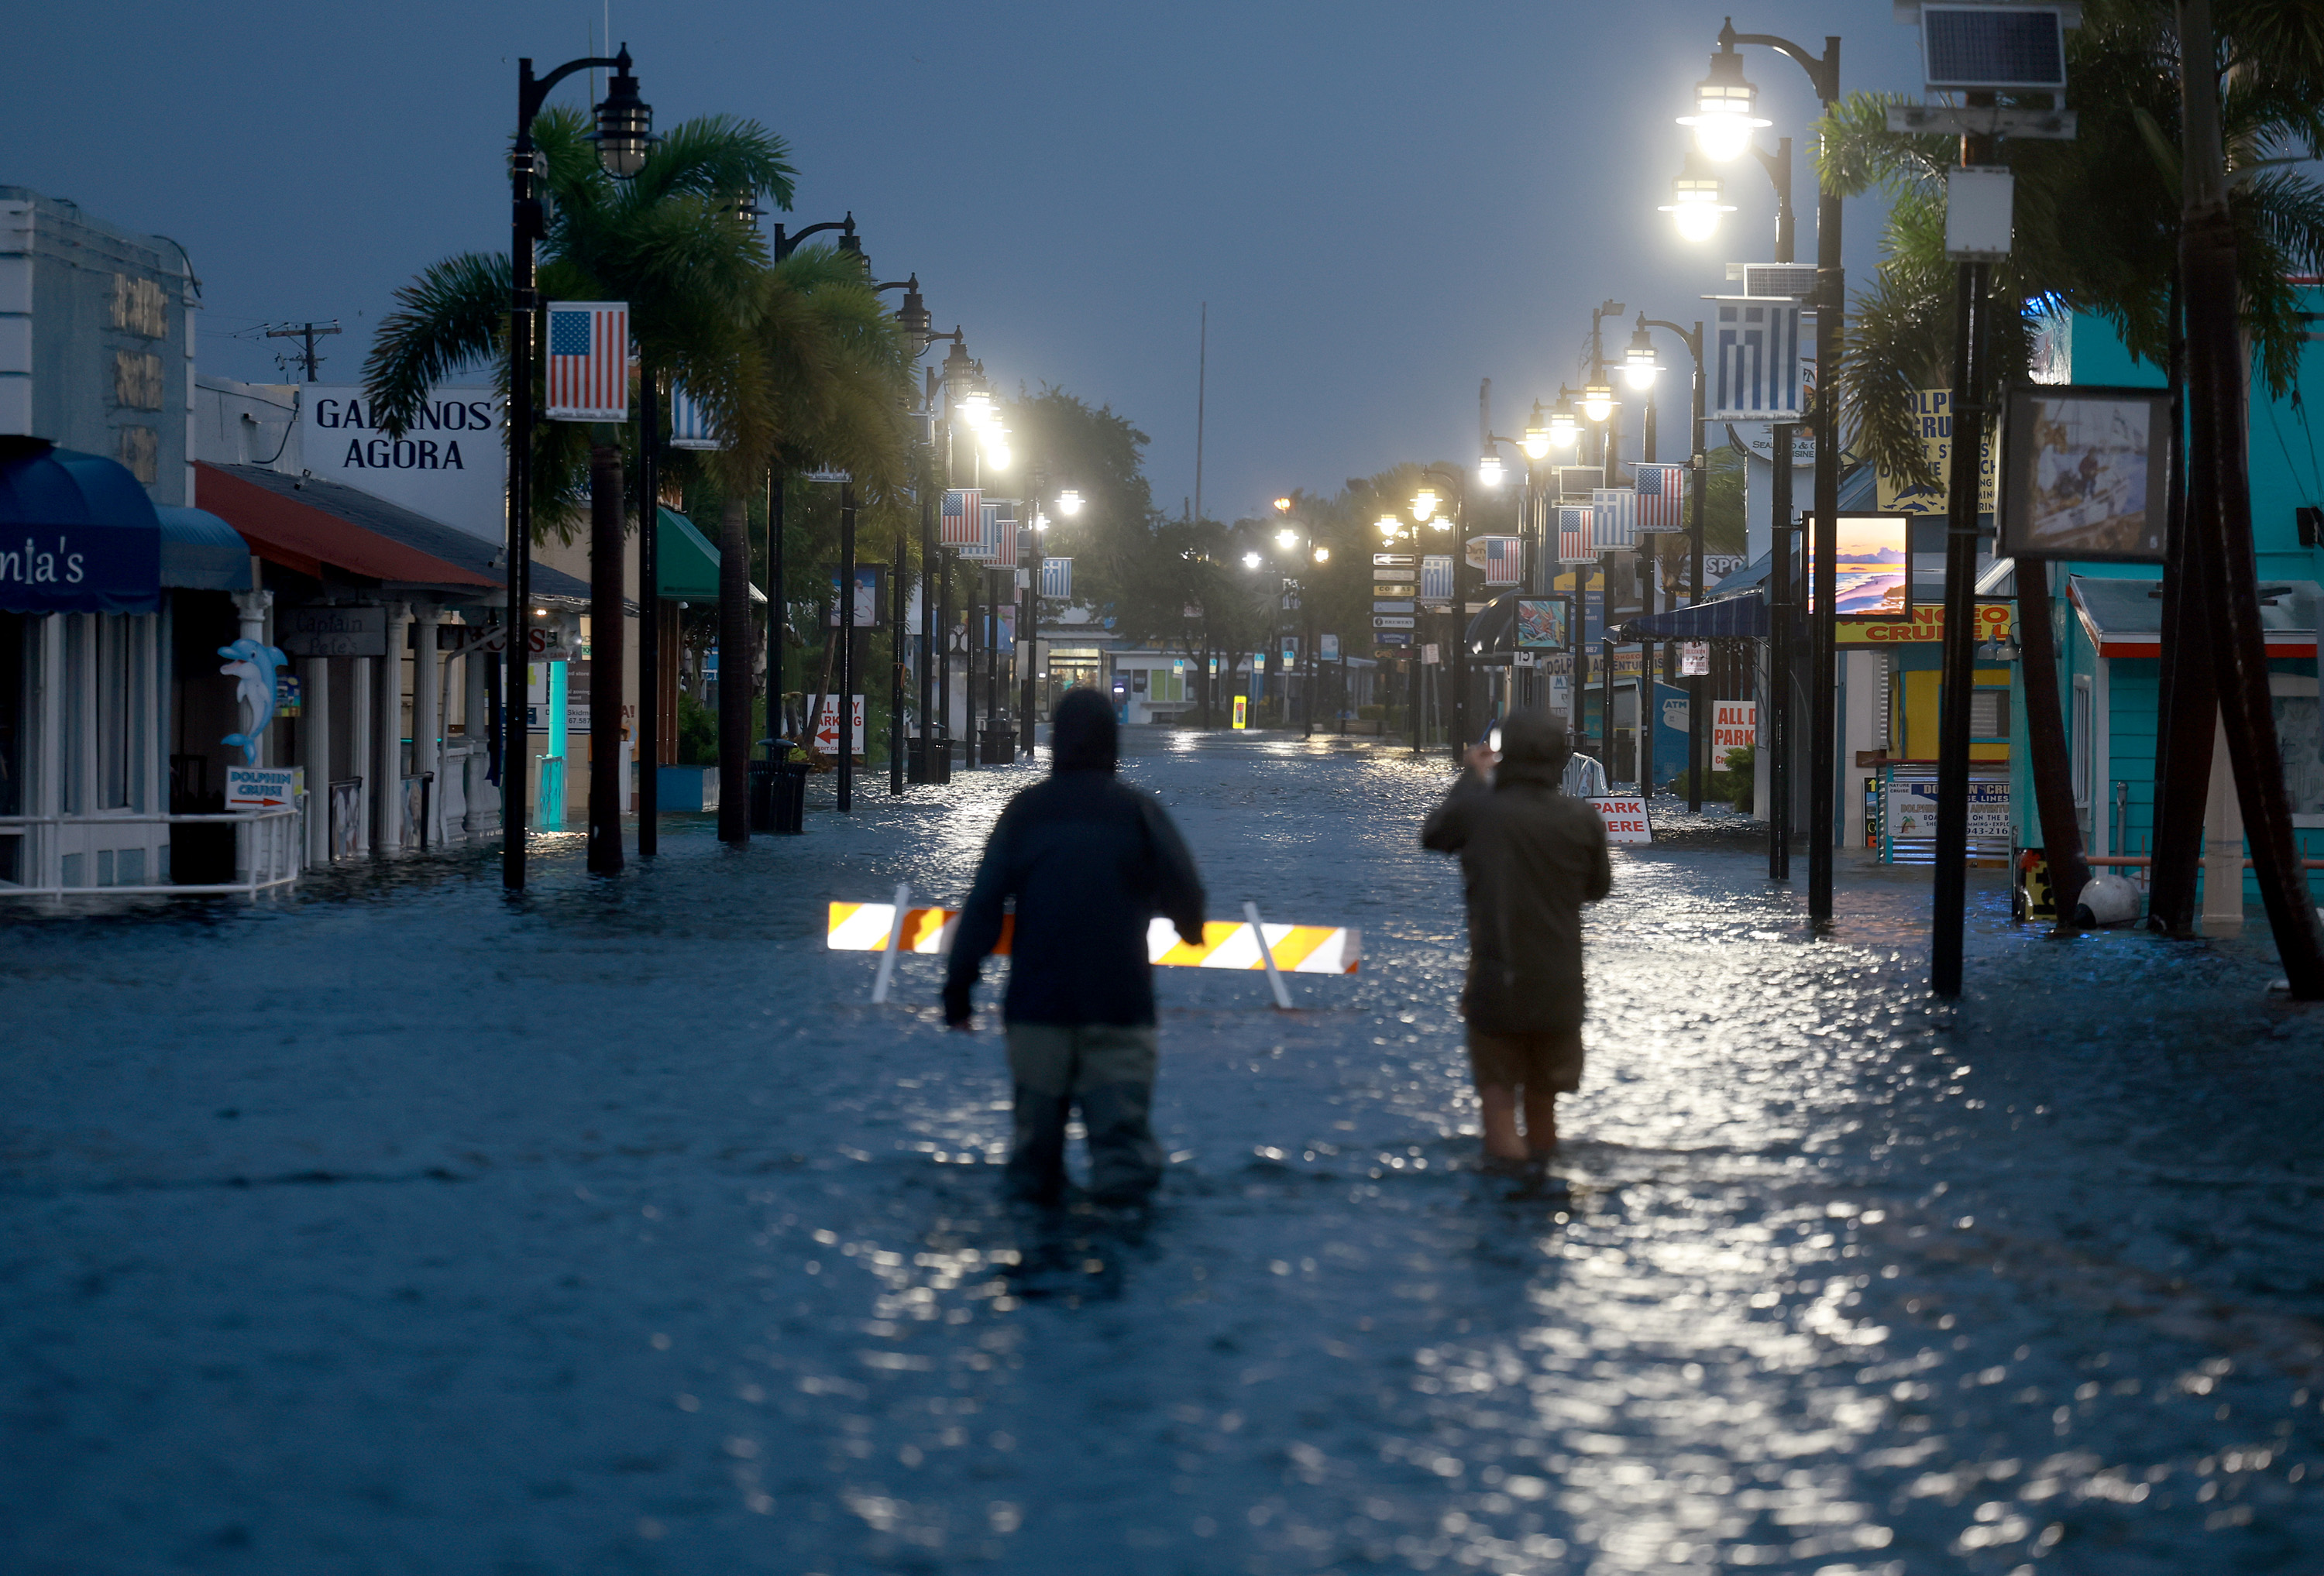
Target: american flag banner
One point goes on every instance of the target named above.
(1058, 578)
(1573, 532)
(1662, 497)
(588, 361)
(1004, 534)
(1501, 557)
(690, 426)
(980, 550)
(959, 523)
(1614, 519)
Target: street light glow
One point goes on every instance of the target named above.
(1489, 470)
(1322, 555)
(1069, 503)
(1283, 506)
(1286, 539)
(1390, 526)
(1723, 118)
(1537, 440)
(1639, 367)
(1424, 504)
(1598, 401)
(1563, 430)
(1251, 560)
(997, 452)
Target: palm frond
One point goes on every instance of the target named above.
(454, 315)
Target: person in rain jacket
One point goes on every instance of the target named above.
(1089, 860)
(1530, 856)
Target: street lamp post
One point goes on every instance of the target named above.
(623, 136)
(1457, 731)
(1301, 534)
(1393, 529)
(1698, 724)
(1723, 123)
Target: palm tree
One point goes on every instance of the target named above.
(2097, 218)
(666, 242)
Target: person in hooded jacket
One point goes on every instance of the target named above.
(1530, 856)
(1089, 860)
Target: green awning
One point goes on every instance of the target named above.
(686, 564)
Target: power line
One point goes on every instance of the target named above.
(308, 332)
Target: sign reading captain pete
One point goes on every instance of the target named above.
(450, 464)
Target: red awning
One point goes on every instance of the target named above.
(302, 536)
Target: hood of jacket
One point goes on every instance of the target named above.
(1081, 733)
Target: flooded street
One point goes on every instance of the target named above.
(391, 1227)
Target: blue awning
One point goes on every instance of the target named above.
(201, 552)
(1733, 618)
(76, 535)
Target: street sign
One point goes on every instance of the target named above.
(830, 476)
(260, 788)
(1242, 711)
(1390, 622)
(827, 724)
(1328, 649)
(1392, 606)
(1625, 818)
(1392, 560)
(1405, 588)
(1734, 726)
(1392, 638)
(1695, 659)
(1428, 655)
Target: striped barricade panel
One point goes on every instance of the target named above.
(1227, 943)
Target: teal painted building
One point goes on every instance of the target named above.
(2108, 624)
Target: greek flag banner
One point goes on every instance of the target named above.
(1436, 578)
(1614, 519)
(1755, 371)
(689, 423)
(1058, 578)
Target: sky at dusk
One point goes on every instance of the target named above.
(1381, 204)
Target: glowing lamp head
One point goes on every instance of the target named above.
(1069, 503)
(1638, 364)
(976, 406)
(1725, 104)
(1322, 555)
(1564, 429)
(1489, 470)
(1536, 440)
(1286, 539)
(1424, 504)
(1283, 506)
(1598, 401)
(1697, 197)
(1390, 526)
(1251, 560)
(997, 452)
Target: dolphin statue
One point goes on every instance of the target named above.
(252, 666)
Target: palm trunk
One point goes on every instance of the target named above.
(2219, 512)
(734, 672)
(608, 627)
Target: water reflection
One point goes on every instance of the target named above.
(1832, 1278)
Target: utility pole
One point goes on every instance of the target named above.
(309, 333)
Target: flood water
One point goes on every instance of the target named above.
(394, 1227)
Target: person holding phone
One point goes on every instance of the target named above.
(1531, 855)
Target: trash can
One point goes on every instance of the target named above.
(779, 790)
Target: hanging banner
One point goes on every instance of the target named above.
(1662, 496)
(980, 549)
(689, 423)
(1501, 557)
(1058, 579)
(1613, 518)
(960, 522)
(1755, 371)
(1436, 577)
(1695, 659)
(1004, 534)
(1328, 647)
(1574, 531)
(588, 361)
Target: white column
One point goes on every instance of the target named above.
(427, 716)
(315, 754)
(360, 740)
(481, 817)
(2223, 842)
(387, 724)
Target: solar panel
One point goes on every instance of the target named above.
(2001, 47)
(1797, 279)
